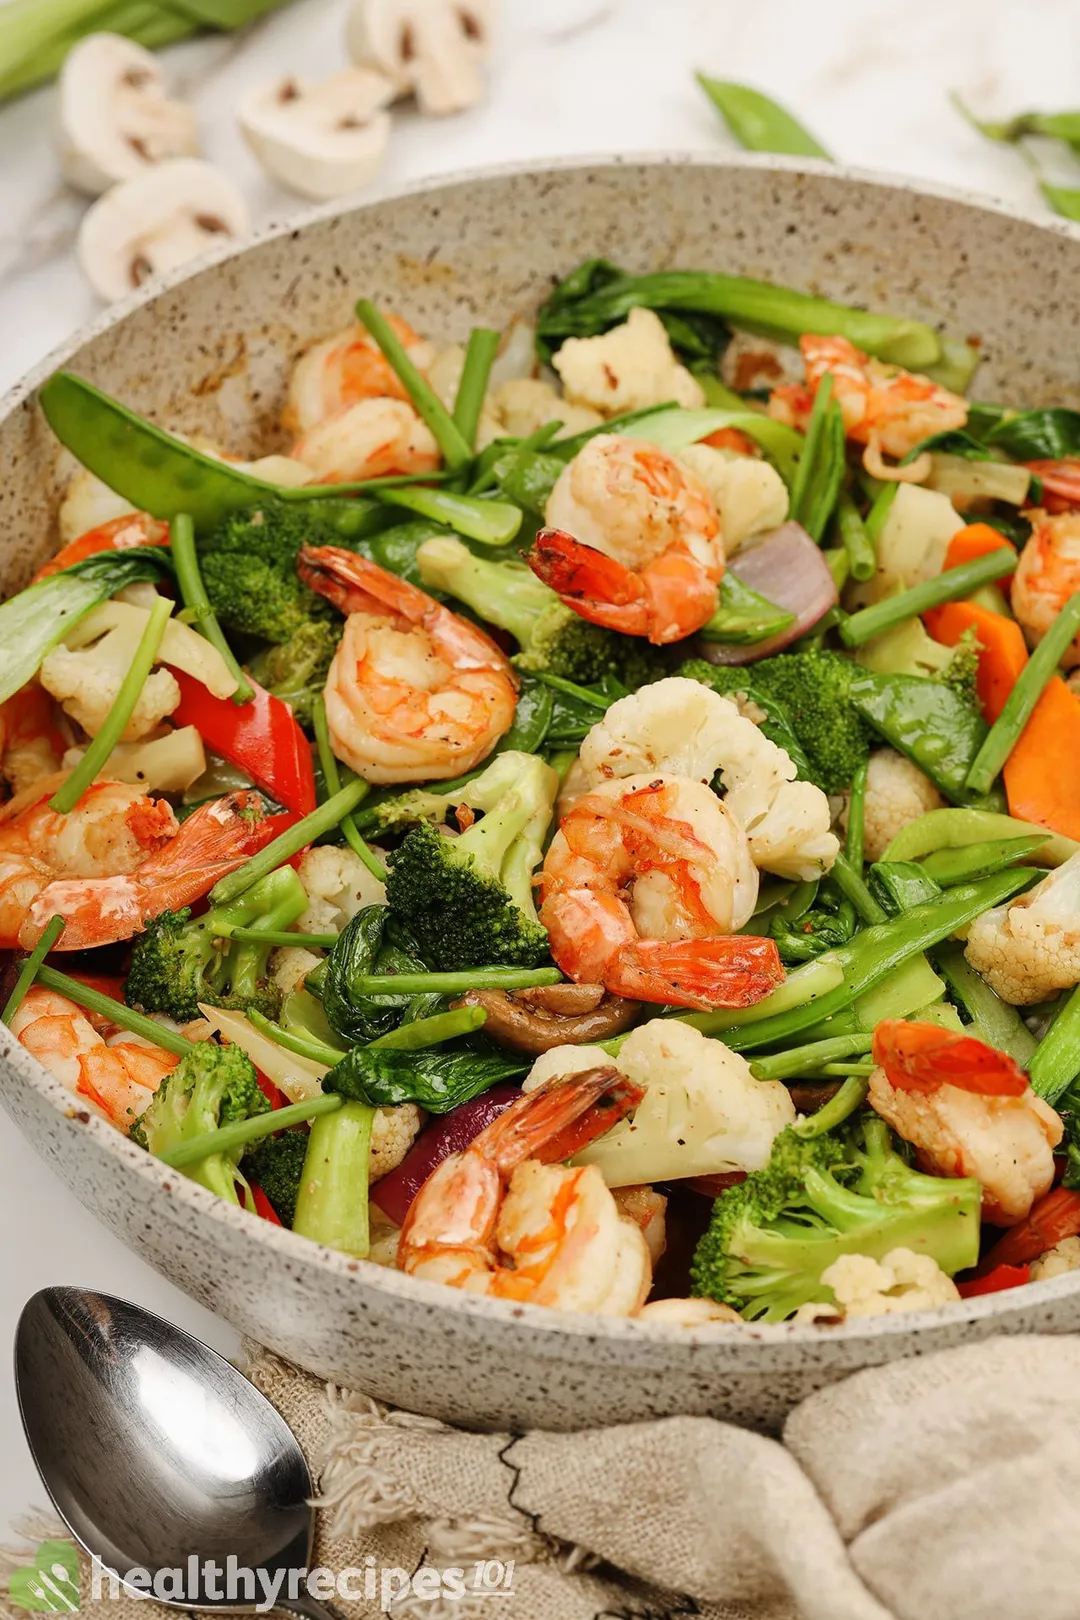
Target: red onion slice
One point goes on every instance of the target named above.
(787, 567)
(395, 1191)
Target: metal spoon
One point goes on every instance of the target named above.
(159, 1455)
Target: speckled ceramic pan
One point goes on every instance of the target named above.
(211, 353)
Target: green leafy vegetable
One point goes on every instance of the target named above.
(757, 122)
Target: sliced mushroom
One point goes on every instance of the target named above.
(525, 1027)
(156, 221)
(320, 139)
(433, 49)
(115, 119)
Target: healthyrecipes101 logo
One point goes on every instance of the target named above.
(50, 1583)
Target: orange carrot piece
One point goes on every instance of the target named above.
(1042, 774)
(974, 540)
(1002, 651)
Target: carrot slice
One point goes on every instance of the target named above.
(974, 540)
(1002, 652)
(1042, 774)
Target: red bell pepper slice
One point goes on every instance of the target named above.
(135, 529)
(274, 1097)
(263, 1206)
(995, 1281)
(262, 738)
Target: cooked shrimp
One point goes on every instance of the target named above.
(372, 439)
(116, 1072)
(1060, 481)
(506, 1217)
(633, 541)
(884, 407)
(117, 858)
(344, 369)
(415, 693)
(968, 1110)
(643, 886)
(31, 743)
(682, 726)
(1047, 574)
(648, 1210)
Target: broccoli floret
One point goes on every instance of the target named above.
(248, 565)
(812, 689)
(551, 636)
(180, 960)
(962, 669)
(276, 1165)
(848, 1192)
(296, 669)
(212, 1086)
(907, 649)
(468, 900)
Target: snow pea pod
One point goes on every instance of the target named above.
(952, 829)
(759, 123)
(899, 885)
(950, 866)
(926, 720)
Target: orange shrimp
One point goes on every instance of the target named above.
(633, 541)
(32, 744)
(506, 1217)
(642, 887)
(115, 1071)
(1060, 482)
(119, 534)
(415, 693)
(1047, 574)
(884, 407)
(343, 370)
(968, 1110)
(117, 858)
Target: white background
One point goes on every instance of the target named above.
(871, 78)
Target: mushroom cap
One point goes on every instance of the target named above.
(114, 118)
(433, 49)
(156, 220)
(320, 139)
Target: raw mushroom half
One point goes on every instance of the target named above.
(115, 119)
(320, 139)
(433, 49)
(156, 221)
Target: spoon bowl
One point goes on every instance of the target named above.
(157, 1453)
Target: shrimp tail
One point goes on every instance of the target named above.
(560, 1118)
(924, 1057)
(355, 585)
(214, 841)
(735, 970)
(577, 571)
(673, 597)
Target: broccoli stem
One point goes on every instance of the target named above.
(489, 523)
(242, 1132)
(852, 1095)
(808, 1059)
(448, 436)
(71, 791)
(469, 400)
(284, 936)
(29, 970)
(949, 586)
(849, 881)
(453, 984)
(1030, 685)
(332, 1203)
(1056, 1061)
(124, 1017)
(289, 843)
(332, 777)
(186, 561)
(505, 593)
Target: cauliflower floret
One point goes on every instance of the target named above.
(86, 681)
(1030, 949)
(1006, 1143)
(166, 764)
(897, 792)
(393, 1132)
(903, 1281)
(525, 404)
(750, 495)
(702, 1114)
(687, 1313)
(1063, 1257)
(627, 369)
(87, 504)
(290, 964)
(682, 726)
(338, 885)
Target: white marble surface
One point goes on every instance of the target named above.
(568, 76)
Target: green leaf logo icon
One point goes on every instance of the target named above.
(50, 1585)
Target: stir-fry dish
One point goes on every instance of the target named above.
(595, 822)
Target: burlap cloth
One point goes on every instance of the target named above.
(944, 1488)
